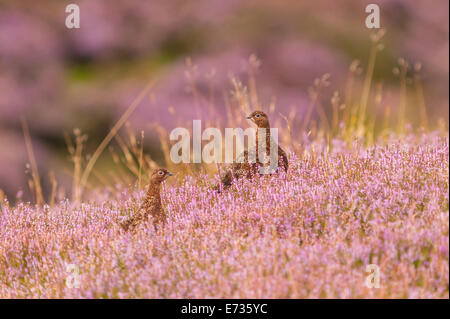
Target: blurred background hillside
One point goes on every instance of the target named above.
(61, 79)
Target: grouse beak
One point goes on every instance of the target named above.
(170, 174)
(249, 117)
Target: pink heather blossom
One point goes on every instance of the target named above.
(308, 234)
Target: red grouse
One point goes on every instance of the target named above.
(152, 203)
(247, 169)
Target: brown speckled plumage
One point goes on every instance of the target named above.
(151, 204)
(247, 169)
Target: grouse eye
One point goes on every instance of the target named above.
(161, 173)
(257, 115)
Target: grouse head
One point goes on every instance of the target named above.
(260, 119)
(160, 174)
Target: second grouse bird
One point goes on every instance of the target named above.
(246, 168)
(152, 202)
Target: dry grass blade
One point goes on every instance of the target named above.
(112, 133)
(163, 137)
(77, 161)
(288, 124)
(376, 46)
(2, 197)
(141, 155)
(34, 170)
(129, 159)
(319, 83)
(54, 184)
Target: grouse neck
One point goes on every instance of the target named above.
(154, 189)
(267, 134)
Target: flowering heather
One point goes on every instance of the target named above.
(308, 234)
(60, 79)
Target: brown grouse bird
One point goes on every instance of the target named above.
(152, 203)
(250, 169)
